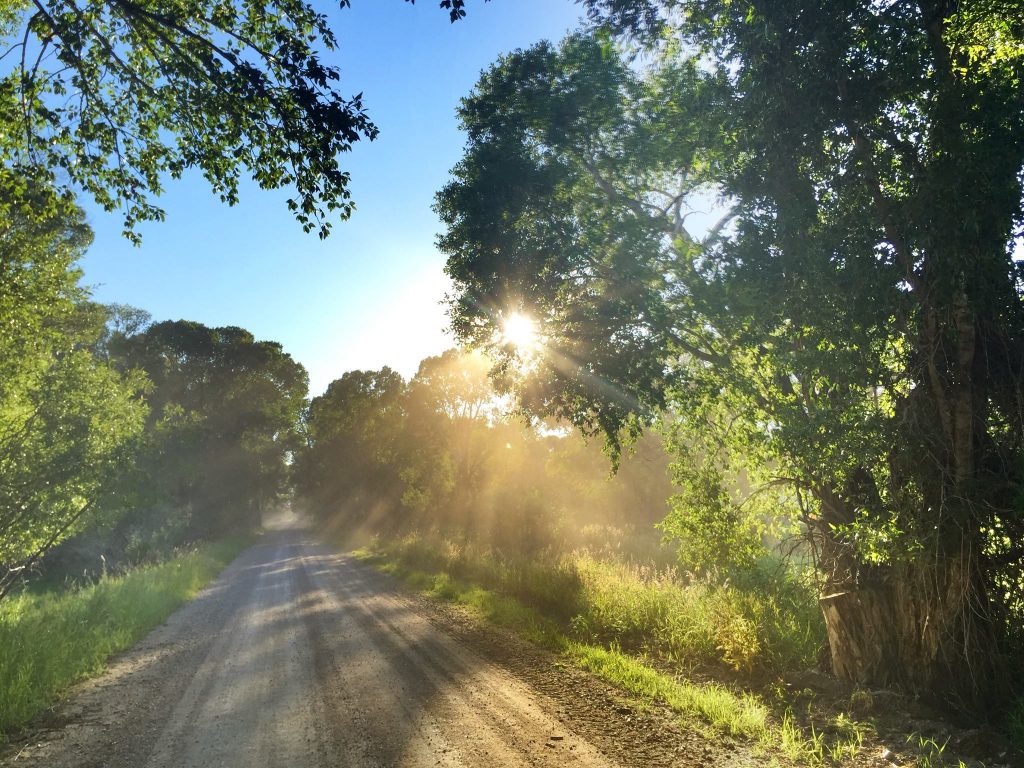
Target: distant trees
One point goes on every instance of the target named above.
(224, 412)
(346, 468)
(450, 436)
(850, 332)
(108, 420)
(442, 453)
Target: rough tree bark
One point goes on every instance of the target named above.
(919, 630)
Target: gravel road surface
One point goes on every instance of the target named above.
(297, 657)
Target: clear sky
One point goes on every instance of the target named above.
(370, 294)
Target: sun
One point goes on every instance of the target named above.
(519, 330)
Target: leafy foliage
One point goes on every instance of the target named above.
(456, 8)
(441, 453)
(571, 180)
(852, 327)
(224, 415)
(68, 421)
(116, 94)
(112, 97)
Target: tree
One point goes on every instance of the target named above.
(68, 421)
(575, 176)
(442, 454)
(853, 327)
(447, 441)
(111, 97)
(346, 471)
(224, 419)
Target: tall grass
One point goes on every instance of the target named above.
(551, 585)
(770, 620)
(657, 611)
(48, 641)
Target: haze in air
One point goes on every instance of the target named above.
(608, 383)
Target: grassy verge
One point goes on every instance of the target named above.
(769, 622)
(725, 710)
(51, 640)
(502, 593)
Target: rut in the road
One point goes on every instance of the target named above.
(299, 658)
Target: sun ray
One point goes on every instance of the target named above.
(520, 331)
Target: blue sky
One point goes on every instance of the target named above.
(369, 295)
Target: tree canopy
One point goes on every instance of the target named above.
(850, 329)
(443, 453)
(223, 421)
(113, 97)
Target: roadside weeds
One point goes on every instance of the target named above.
(709, 707)
(52, 640)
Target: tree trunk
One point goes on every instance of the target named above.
(924, 629)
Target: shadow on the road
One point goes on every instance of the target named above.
(296, 656)
(323, 656)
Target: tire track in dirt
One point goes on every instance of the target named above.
(296, 657)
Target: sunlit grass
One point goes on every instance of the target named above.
(603, 595)
(49, 641)
(772, 624)
(636, 627)
(730, 712)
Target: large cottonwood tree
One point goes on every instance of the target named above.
(854, 327)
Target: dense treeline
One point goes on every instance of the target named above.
(117, 436)
(441, 453)
(224, 412)
(69, 421)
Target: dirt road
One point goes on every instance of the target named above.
(297, 657)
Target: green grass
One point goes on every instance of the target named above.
(771, 621)
(726, 711)
(714, 704)
(635, 626)
(627, 624)
(488, 604)
(49, 641)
